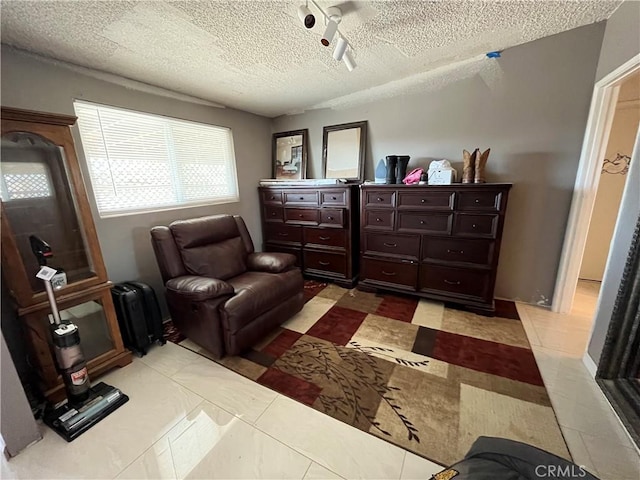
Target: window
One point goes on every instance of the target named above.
(141, 162)
(24, 180)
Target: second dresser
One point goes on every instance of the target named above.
(441, 242)
(319, 225)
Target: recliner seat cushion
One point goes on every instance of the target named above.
(256, 293)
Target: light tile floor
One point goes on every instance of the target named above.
(191, 418)
(593, 433)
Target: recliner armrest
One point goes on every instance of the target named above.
(196, 288)
(271, 262)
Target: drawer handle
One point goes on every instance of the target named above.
(272, 197)
(324, 238)
(477, 200)
(283, 234)
(378, 219)
(423, 201)
(324, 264)
(474, 226)
(380, 199)
(302, 198)
(333, 198)
(451, 283)
(300, 215)
(273, 214)
(390, 244)
(330, 217)
(389, 274)
(422, 222)
(455, 251)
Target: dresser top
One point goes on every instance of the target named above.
(309, 187)
(451, 185)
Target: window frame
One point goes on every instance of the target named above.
(156, 208)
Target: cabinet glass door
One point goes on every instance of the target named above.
(37, 199)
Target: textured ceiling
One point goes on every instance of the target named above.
(257, 56)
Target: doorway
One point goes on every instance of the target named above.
(594, 210)
(611, 184)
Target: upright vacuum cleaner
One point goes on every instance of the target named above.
(85, 405)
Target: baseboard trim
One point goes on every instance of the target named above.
(591, 366)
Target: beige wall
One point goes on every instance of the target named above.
(531, 108)
(611, 186)
(30, 83)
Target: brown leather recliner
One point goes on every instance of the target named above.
(222, 295)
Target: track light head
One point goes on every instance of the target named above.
(329, 33)
(306, 17)
(341, 47)
(349, 61)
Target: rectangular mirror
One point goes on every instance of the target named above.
(290, 155)
(343, 151)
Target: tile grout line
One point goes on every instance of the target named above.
(161, 437)
(593, 465)
(239, 418)
(306, 471)
(404, 459)
(315, 461)
(266, 408)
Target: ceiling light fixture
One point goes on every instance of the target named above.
(305, 16)
(341, 47)
(329, 33)
(349, 61)
(332, 18)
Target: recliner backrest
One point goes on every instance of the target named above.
(167, 254)
(211, 246)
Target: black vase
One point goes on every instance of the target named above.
(392, 161)
(401, 170)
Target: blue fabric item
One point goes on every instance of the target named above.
(381, 172)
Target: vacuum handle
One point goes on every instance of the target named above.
(52, 302)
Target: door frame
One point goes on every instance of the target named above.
(596, 138)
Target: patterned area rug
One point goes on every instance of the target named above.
(420, 374)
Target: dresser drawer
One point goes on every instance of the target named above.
(458, 281)
(379, 219)
(282, 233)
(338, 197)
(302, 216)
(467, 225)
(331, 217)
(442, 200)
(380, 198)
(325, 261)
(479, 252)
(273, 214)
(477, 200)
(400, 274)
(326, 237)
(425, 222)
(295, 251)
(271, 197)
(300, 198)
(390, 244)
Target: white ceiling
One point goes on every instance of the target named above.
(257, 56)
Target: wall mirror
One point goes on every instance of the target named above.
(343, 151)
(290, 154)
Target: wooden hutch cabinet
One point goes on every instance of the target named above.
(43, 194)
(317, 224)
(438, 241)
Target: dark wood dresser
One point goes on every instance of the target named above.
(319, 225)
(437, 241)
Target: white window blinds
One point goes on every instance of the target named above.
(140, 162)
